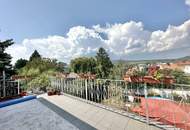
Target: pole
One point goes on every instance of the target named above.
(18, 86)
(61, 85)
(4, 89)
(145, 93)
(86, 89)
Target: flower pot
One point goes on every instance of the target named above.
(50, 93)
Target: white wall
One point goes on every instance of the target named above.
(187, 69)
(168, 92)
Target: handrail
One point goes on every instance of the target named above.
(185, 85)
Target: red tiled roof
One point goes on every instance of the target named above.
(148, 79)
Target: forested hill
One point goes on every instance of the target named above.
(153, 60)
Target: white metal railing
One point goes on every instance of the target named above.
(122, 95)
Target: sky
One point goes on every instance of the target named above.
(66, 29)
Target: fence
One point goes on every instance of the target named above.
(9, 88)
(168, 104)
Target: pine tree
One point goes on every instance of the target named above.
(34, 55)
(104, 64)
(5, 59)
(20, 63)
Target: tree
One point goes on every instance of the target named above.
(37, 66)
(34, 55)
(180, 77)
(91, 65)
(161, 73)
(20, 63)
(83, 65)
(5, 59)
(61, 66)
(118, 71)
(41, 82)
(104, 64)
(39, 70)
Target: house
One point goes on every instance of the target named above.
(186, 66)
(73, 75)
(148, 79)
(180, 65)
(61, 75)
(187, 69)
(87, 76)
(152, 69)
(142, 67)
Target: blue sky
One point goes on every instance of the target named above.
(32, 22)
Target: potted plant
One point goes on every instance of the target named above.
(23, 93)
(50, 91)
(53, 91)
(57, 92)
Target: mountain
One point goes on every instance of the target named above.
(152, 61)
(184, 58)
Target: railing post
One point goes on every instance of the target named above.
(73, 86)
(64, 85)
(57, 83)
(147, 113)
(61, 85)
(77, 86)
(4, 89)
(0, 87)
(86, 84)
(18, 86)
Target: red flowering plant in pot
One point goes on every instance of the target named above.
(23, 93)
(53, 91)
(50, 91)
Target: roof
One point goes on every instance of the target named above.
(148, 79)
(73, 75)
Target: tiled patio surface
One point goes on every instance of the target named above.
(38, 114)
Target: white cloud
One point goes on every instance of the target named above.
(175, 37)
(187, 2)
(126, 38)
(120, 40)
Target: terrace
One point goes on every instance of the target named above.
(64, 113)
(107, 65)
(92, 104)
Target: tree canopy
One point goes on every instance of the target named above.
(38, 66)
(5, 59)
(104, 64)
(20, 63)
(178, 75)
(83, 65)
(118, 71)
(60, 66)
(39, 71)
(101, 65)
(34, 55)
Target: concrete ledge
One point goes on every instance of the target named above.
(15, 101)
(123, 113)
(96, 116)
